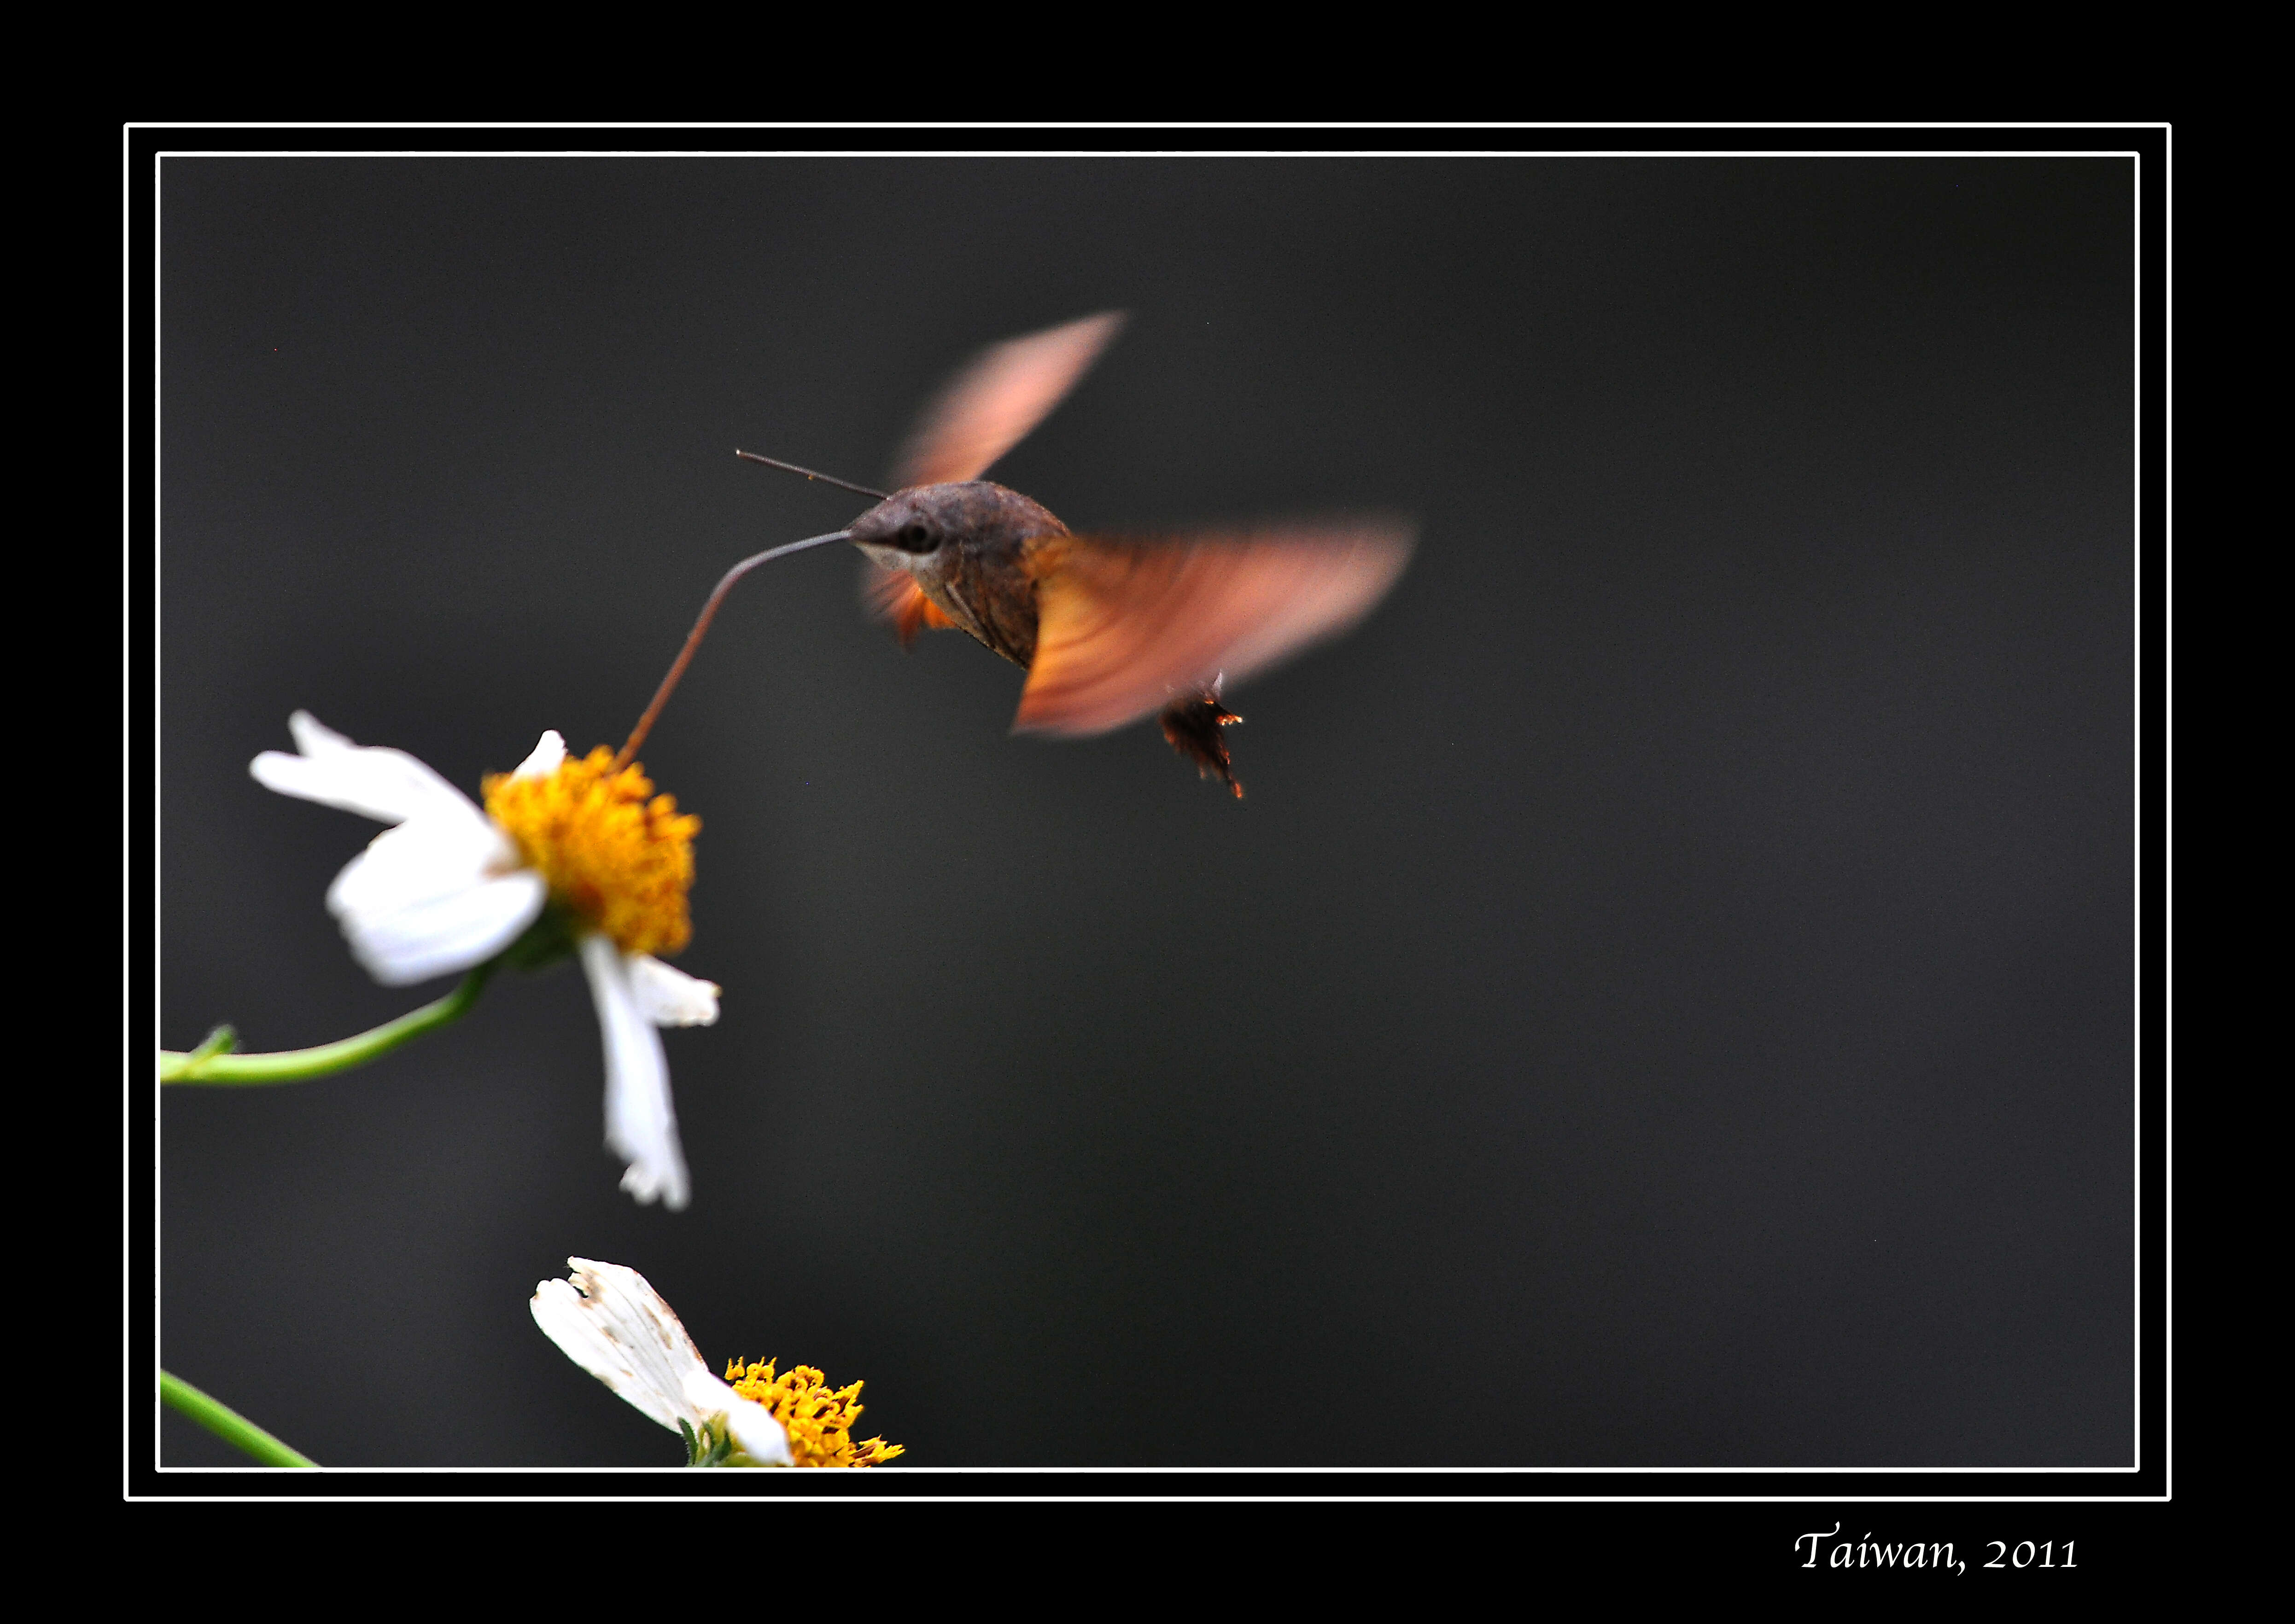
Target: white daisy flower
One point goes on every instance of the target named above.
(607, 1320)
(560, 842)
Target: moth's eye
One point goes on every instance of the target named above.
(916, 538)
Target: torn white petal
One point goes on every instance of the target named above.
(388, 785)
(316, 738)
(641, 1123)
(546, 759)
(613, 1325)
(669, 997)
(616, 1326)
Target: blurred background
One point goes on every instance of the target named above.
(1665, 1001)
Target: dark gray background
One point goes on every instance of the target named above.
(1666, 1000)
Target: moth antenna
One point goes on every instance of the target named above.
(858, 490)
(701, 628)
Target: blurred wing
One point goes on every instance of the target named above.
(894, 596)
(1121, 627)
(989, 407)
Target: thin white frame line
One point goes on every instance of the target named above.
(2136, 787)
(2167, 810)
(1059, 124)
(1239, 1499)
(130, 1048)
(1270, 1471)
(1493, 153)
(158, 158)
(158, 733)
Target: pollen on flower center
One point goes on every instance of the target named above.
(819, 1421)
(611, 851)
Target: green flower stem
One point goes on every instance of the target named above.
(227, 1423)
(213, 1062)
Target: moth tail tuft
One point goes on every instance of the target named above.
(1191, 726)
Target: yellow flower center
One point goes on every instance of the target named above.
(613, 852)
(819, 1422)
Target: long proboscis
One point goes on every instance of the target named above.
(701, 628)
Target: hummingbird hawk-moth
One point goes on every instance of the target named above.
(1109, 629)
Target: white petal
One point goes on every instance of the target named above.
(443, 934)
(761, 1438)
(420, 861)
(388, 785)
(641, 1123)
(610, 1322)
(607, 1320)
(547, 757)
(619, 1340)
(433, 895)
(314, 737)
(671, 998)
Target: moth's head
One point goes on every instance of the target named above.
(906, 527)
(910, 529)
